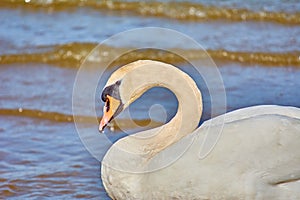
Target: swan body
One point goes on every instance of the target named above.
(257, 155)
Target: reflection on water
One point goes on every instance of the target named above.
(256, 46)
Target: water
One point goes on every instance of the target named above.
(256, 47)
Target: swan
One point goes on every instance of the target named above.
(256, 157)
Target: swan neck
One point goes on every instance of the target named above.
(156, 74)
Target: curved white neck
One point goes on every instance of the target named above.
(143, 75)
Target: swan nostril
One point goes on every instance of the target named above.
(107, 105)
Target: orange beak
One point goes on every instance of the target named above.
(109, 110)
(107, 115)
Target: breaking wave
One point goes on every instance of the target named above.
(174, 10)
(72, 54)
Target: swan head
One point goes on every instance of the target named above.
(124, 86)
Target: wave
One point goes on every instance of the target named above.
(174, 10)
(73, 54)
(67, 118)
(31, 113)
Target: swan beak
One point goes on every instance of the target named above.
(104, 121)
(110, 109)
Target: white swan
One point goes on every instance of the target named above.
(256, 157)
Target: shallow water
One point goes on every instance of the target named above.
(41, 49)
